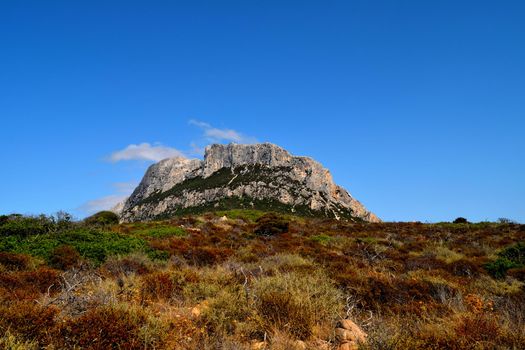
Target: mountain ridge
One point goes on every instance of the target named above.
(260, 176)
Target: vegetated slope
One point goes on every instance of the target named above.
(260, 176)
(236, 278)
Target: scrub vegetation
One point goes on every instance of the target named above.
(246, 279)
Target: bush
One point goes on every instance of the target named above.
(106, 328)
(296, 303)
(11, 342)
(64, 257)
(460, 220)
(464, 268)
(506, 221)
(271, 224)
(27, 319)
(206, 256)
(498, 268)
(229, 312)
(509, 258)
(157, 286)
(14, 261)
(102, 218)
(132, 264)
(3, 219)
(163, 232)
(517, 273)
(478, 328)
(29, 284)
(515, 253)
(91, 243)
(17, 225)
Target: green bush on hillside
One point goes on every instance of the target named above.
(18, 225)
(271, 224)
(90, 243)
(460, 220)
(102, 218)
(509, 258)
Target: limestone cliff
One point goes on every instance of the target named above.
(261, 176)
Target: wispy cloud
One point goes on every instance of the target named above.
(104, 203)
(122, 189)
(145, 151)
(156, 152)
(125, 187)
(213, 134)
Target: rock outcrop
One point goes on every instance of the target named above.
(349, 335)
(260, 176)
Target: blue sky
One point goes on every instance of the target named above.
(416, 107)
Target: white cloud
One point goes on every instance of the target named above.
(217, 135)
(157, 152)
(123, 190)
(196, 150)
(104, 203)
(145, 151)
(125, 187)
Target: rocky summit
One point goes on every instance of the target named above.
(259, 176)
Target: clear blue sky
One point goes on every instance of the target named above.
(417, 107)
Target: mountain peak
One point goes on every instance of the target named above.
(261, 176)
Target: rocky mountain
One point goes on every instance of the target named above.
(259, 176)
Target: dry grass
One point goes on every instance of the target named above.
(228, 284)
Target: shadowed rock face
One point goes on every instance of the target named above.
(261, 176)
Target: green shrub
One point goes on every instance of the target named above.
(460, 220)
(509, 258)
(91, 243)
(102, 218)
(229, 312)
(515, 253)
(3, 219)
(321, 239)
(271, 224)
(162, 232)
(17, 225)
(247, 215)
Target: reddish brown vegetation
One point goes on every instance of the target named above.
(157, 285)
(14, 261)
(28, 285)
(27, 319)
(426, 283)
(100, 329)
(64, 257)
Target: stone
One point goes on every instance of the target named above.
(349, 335)
(198, 309)
(258, 345)
(299, 345)
(320, 344)
(348, 346)
(254, 173)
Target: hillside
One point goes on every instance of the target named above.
(246, 279)
(234, 176)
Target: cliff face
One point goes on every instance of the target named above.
(261, 176)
